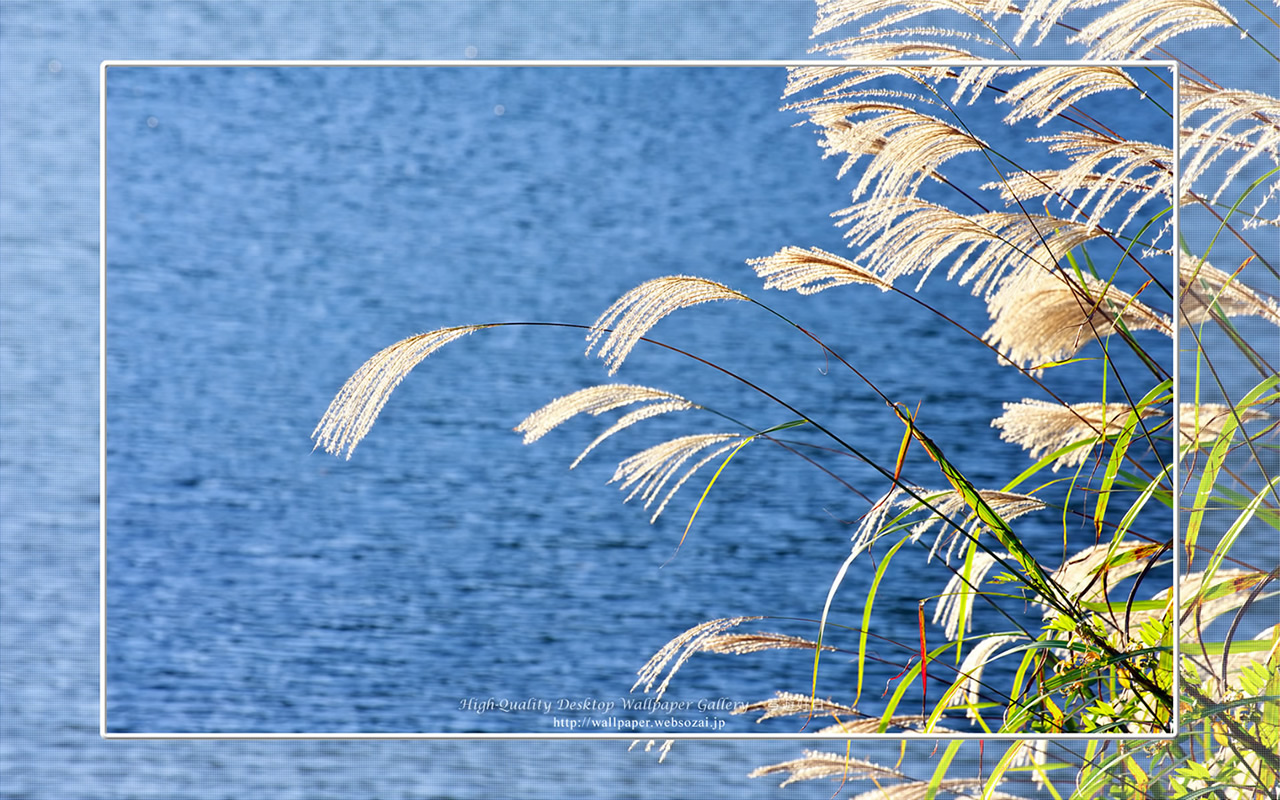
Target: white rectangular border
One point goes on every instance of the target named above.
(1173, 66)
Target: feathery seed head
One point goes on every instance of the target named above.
(1204, 422)
(1044, 427)
(686, 644)
(1043, 316)
(1205, 288)
(650, 470)
(633, 314)
(594, 400)
(357, 404)
(810, 271)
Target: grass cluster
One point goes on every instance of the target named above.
(1134, 267)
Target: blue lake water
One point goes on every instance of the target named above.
(270, 229)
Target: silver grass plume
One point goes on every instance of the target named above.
(1204, 287)
(816, 764)
(834, 14)
(879, 47)
(788, 704)
(1009, 505)
(357, 404)
(839, 81)
(742, 643)
(1204, 422)
(905, 145)
(811, 271)
(947, 503)
(873, 522)
(1032, 753)
(631, 418)
(1088, 575)
(1049, 91)
(681, 649)
(1043, 316)
(1137, 168)
(1232, 586)
(1207, 140)
(949, 608)
(664, 749)
(975, 80)
(1044, 427)
(633, 314)
(968, 687)
(966, 788)
(909, 236)
(596, 400)
(650, 470)
(1136, 27)
(1044, 15)
(1208, 669)
(870, 725)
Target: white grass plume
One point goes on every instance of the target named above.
(633, 314)
(1043, 427)
(1204, 422)
(1136, 27)
(1204, 287)
(811, 271)
(1228, 590)
(357, 404)
(1043, 317)
(950, 504)
(968, 691)
(741, 643)
(1093, 185)
(815, 764)
(849, 719)
(650, 470)
(1208, 668)
(909, 236)
(679, 650)
(834, 14)
(596, 400)
(1239, 121)
(1049, 91)
(905, 145)
(950, 606)
(664, 748)
(945, 504)
(1088, 575)
(788, 704)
